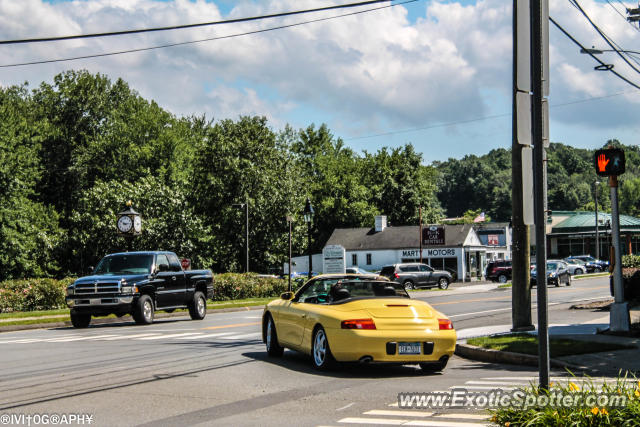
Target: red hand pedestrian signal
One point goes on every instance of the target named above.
(602, 163)
(609, 162)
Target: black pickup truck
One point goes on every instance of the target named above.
(139, 283)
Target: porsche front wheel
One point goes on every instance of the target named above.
(274, 349)
(320, 351)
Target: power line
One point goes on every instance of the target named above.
(121, 52)
(477, 119)
(180, 27)
(606, 38)
(591, 54)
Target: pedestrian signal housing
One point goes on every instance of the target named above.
(609, 162)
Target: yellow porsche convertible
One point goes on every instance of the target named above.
(357, 318)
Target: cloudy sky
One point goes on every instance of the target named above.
(434, 73)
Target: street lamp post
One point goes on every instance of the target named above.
(308, 218)
(289, 220)
(597, 231)
(245, 205)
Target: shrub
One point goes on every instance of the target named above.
(230, 286)
(593, 414)
(33, 294)
(631, 261)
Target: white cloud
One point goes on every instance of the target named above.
(367, 72)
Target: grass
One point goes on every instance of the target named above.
(528, 344)
(505, 285)
(62, 315)
(590, 275)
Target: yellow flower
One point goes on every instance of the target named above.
(603, 411)
(573, 387)
(494, 418)
(638, 384)
(507, 424)
(550, 384)
(595, 410)
(637, 393)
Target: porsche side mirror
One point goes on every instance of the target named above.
(287, 296)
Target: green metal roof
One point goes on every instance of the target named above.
(586, 221)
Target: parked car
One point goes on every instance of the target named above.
(576, 266)
(357, 270)
(363, 320)
(416, 275)
(593, 265)
(557, 273)
(139, 283)
(499, 270)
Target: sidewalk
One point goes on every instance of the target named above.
(608, 363)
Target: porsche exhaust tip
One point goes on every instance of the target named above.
(365, 359)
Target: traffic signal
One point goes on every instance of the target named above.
(609, 162)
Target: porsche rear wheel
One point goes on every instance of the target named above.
(274, 349)
(320, 351)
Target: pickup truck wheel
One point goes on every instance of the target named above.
(408, 285)
(143, 312)
(274, 349)
(502, 278)
(443, 283)
(80, 320)
(198, 307)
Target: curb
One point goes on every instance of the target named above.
(127, 318)
(473, 352)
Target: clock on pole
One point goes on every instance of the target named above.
(129, 224)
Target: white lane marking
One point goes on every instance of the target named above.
(253, 317)
(385, 421)
(463, 416)
(479, 312)
(169, 336)
(240, 337)
(88, 337)
(509, 309)
(398, 413)
(480, 387)
(397, 422)
(535, 379)
(438, 423)
(205, 336)
(346, 406)
(126, 337)
(498, 383)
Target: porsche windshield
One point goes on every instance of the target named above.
(125, 264)
(365, 289)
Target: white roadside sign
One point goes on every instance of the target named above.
(333, 259)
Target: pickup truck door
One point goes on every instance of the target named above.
(170, 284)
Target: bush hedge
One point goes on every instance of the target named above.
(231, 286)
(33, 294)
(48, 294)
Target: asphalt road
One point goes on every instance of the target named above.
(215, 371)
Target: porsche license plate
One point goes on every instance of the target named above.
(409, 348)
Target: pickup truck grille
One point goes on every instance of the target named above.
(97, 288)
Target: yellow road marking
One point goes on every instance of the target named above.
(235, 325)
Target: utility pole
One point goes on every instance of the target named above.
(540, 85)
(521, 171)
(420, 232)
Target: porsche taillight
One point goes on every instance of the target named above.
(358, 324)
(445, 324)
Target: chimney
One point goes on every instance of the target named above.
(381, 223)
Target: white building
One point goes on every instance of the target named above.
(457, 248)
